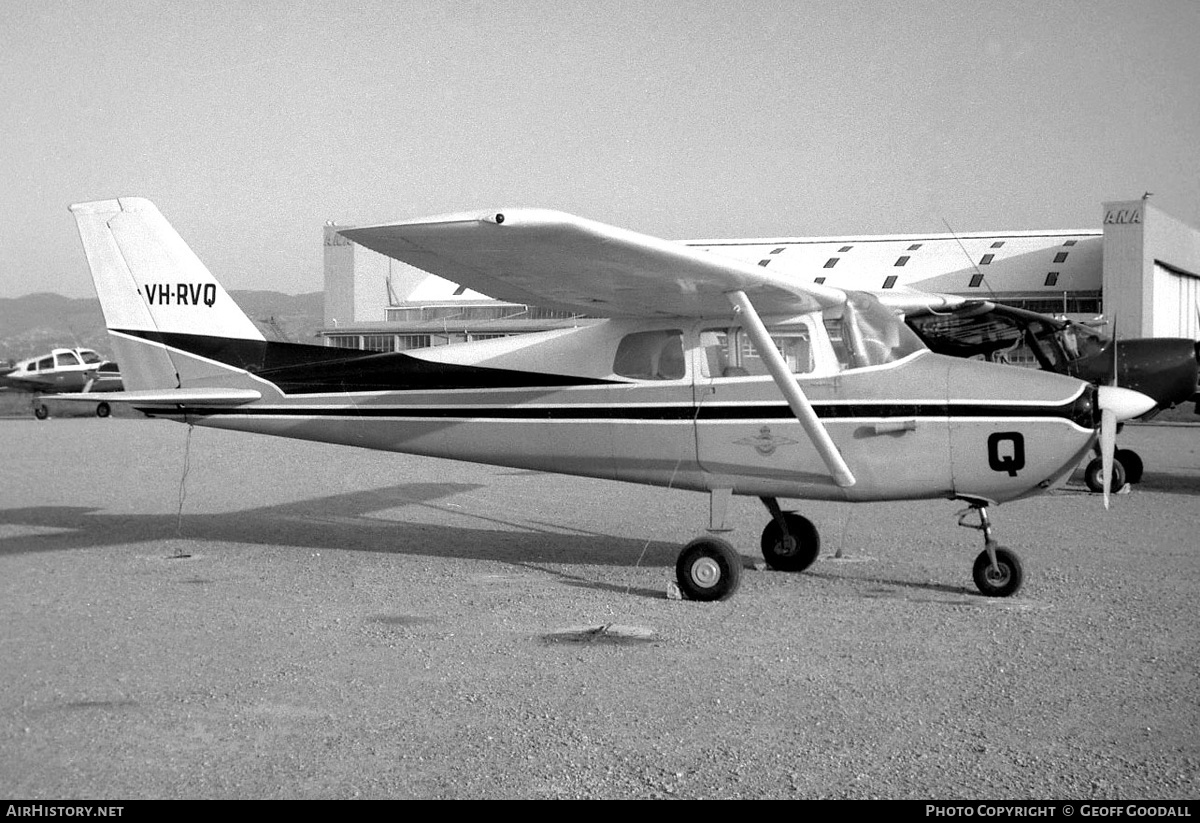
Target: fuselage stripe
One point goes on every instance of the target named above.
(832, 411)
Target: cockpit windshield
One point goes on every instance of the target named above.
(864, 332)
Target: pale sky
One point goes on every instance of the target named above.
(250, 124)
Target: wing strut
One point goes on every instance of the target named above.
(786, 382)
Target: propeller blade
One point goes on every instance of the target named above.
(1108, 447)
(1116, 404)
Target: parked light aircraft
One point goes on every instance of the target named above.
(64, 371)
(708, 374)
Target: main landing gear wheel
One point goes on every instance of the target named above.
(1002, 579)
(708, 569)
(794, 551)
(1131, 461)
(1093, 476)
(41, 411)
(103, 410)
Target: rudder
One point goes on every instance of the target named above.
(152, 289)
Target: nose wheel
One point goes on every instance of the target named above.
(997, 571)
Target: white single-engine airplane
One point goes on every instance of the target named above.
(710, 374)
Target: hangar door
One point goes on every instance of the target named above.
(1176, 303)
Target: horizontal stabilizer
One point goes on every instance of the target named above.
(168, 397)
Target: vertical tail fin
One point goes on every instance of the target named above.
(155, 294)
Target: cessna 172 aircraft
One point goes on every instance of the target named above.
(64, 371)
(709, 374)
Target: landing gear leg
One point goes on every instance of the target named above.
(790, 543)
(997, 570)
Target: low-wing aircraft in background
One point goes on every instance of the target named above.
(64, 371)
(709, 374)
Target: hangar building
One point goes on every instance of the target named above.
(1141, 268)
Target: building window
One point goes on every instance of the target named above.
(343, 341)
(845, 249)
(998, 244)
(1069, 243)
(889, 281)
(976, 279)
(778, 250)
(819, 280)
(914, 247)
(987, 259)
(903, 259)
(1060, 257)
(831, 262)
(764, 262)
(404, 342)
(378, 342)
(1052, 279)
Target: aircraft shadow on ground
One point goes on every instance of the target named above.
(346, 522)
(373, 520)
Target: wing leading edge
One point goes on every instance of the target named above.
(560, 261)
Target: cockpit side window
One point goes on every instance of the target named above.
(651, 355)
(66, 359)
(45, 364)
(728, 352)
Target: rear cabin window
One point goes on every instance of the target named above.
(651, 355)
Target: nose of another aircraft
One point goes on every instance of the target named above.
(1125, 404)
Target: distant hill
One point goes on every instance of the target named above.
(36, 323)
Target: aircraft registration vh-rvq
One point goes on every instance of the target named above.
(709, 374)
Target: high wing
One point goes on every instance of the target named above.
(560, 261)
(569, 263)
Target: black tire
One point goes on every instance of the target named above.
(1131, 461)
(708, 569)
(1093, 476)
(1003, 582)
(41, 411)
(103, 410)
(797, 554)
